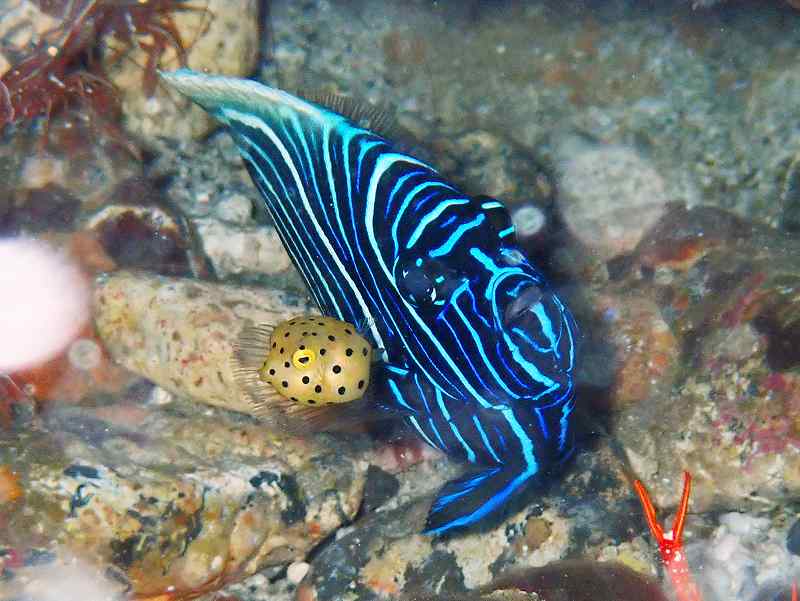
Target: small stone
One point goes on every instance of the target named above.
(297, 571)
(609, 196)
(236, 209)
(39, 171)
(645, 350)
(85, 354)
(235, 250)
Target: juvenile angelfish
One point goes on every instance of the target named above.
(306, 361)
(476, 351)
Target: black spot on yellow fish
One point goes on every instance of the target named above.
(306, 379)
(342, 390)
(317, 388)
(336, 369)
(349, 352)
(360, 384)
(332, 338)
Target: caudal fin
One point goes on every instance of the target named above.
(469, 499)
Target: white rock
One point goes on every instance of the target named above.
(236, 208)
(609, 196)
(297, 571)
(528, 220)
(235, 250)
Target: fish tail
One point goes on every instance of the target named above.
(469, 499)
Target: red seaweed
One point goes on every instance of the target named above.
(64, 72)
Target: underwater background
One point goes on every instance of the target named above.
(649, 156)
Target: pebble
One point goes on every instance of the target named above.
(609, 196)
(529, 221)
(236, 209)
(297, 571)
(233, 249)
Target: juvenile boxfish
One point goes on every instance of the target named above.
(476, 351)
(298, 368)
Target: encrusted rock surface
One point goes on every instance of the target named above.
(173, 500)
(730, 292)
(179, 333)
(384, 554)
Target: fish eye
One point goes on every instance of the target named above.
(425, 282)
(303, 358)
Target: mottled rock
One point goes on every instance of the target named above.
(235, 250)
(730, 293)
(742, 557)
(179, 332)
(220, 37)
(586, 512)
(645, 351)
(609, 195)
(171, 502)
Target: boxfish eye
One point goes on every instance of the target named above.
(303, 358)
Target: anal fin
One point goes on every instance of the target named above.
(467, 500)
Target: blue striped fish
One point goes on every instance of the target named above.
(476, 351)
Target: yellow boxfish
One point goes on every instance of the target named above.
(296, 367)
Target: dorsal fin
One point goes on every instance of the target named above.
(379, 119)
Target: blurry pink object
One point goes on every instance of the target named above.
(44, 303)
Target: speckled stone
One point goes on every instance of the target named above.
(179, 332)
(171, 501)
